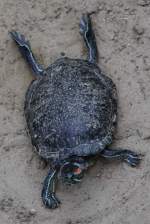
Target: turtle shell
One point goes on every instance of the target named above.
(73, 106)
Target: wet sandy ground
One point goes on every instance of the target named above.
(112, 192)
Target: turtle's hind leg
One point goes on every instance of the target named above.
(48, 192)
(132, 158)
(89, 37)
(25, 49)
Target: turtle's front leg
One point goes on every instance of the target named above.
(25, 49)
(132, 158)
(48, 193)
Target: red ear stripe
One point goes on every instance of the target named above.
(77, 171)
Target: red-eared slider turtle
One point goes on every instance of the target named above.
(71, 110)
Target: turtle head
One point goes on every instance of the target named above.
(72, 172)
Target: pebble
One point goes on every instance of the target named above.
(32, 211)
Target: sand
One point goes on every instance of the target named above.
(111, 192)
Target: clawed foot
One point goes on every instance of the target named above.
(51, 201)
(85, 24)
(25, 49)
(132, 158)
(20, 39)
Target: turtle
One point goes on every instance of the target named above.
(71, 113)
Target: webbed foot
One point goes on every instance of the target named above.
(85, 24)
(20, 39)
(132, 158)
(51, 201)
(25, 49)
(48, 192)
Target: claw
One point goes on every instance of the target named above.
(85, 23)
(52, 201)
(19, 39)
(25, 49)
(55, 199)
(133, 159)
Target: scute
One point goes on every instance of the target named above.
(74, 104)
